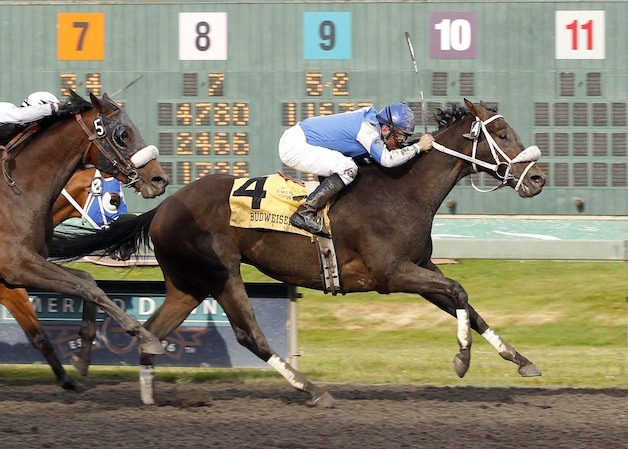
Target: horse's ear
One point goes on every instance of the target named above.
(74, 94)
(98, 104)
(107, 99)
(479, 110)
(470, 107)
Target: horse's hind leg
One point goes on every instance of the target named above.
(505, 350)
(17, 303)
(237, 305)
(174, 310)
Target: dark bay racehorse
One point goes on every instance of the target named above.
(16, 300)
(99, 133)
(381, 226)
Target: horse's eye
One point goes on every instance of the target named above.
(120, 135)
(503, 136)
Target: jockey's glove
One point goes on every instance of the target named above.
(424, 143)
(66, 109)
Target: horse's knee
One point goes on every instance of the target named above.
(459, 295)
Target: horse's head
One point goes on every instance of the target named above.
(122, 151)
(497, 144)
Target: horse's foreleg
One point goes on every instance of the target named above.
(505, 350)
(409, 277)
(237, 306)
(17, 303)
(34, 270)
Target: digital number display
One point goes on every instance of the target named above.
(205, 135)
(317, 85)
(91, 81)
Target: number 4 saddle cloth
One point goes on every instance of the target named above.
(267, 202)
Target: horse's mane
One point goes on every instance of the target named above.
(447, 117)
(74, 105)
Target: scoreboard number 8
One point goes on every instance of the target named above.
(202, 36)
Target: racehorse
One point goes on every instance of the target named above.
(99, 133)
(79, 190)
(380, 224)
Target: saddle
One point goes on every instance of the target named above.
(269, 202)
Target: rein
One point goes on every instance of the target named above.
(501, 169)
(13, 143)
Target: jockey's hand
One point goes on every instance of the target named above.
(424, 143)
(67, 109)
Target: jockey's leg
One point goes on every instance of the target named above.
(305, 217)
(338, 169)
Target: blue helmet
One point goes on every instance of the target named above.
(398, 116)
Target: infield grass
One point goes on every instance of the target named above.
(569, 318)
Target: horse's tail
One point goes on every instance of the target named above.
(122, 233)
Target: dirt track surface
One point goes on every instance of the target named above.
(38, 415)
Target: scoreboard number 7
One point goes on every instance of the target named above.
(81, 36)
(580, 35)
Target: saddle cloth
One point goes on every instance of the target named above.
(267, 202)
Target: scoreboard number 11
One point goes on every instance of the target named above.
(580, 35)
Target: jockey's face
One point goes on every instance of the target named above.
(395, 139)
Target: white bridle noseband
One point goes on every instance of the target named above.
(503, 170)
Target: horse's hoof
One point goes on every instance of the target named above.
(72, 385)
(325, 400)
(460, 366)
(152, 346)
(80, 365)
(529, 370)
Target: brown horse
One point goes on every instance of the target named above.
(381, 227)
(99, 133)
(16, 300)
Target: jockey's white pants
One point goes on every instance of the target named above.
(295, 152)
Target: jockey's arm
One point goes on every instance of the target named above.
(370, 139)
(9, 113)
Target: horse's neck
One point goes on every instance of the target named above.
(55, 154)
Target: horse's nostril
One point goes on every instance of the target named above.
(159, 181)
(538, 179)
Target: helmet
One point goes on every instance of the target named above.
(398, 116)
(37, 98)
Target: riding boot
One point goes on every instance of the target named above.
(306, 215)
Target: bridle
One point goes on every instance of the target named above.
(112, 151)
(503, 170)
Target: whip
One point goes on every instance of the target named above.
(127, 86)
(416, 70)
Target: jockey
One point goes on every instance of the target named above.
(36, 106)
(326, 145)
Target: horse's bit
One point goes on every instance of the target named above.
(501, 169)
(137, 160)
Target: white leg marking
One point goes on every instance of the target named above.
(504, 349)
(463, 327)
(147, 383)
(494, 339)
(276, 362)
